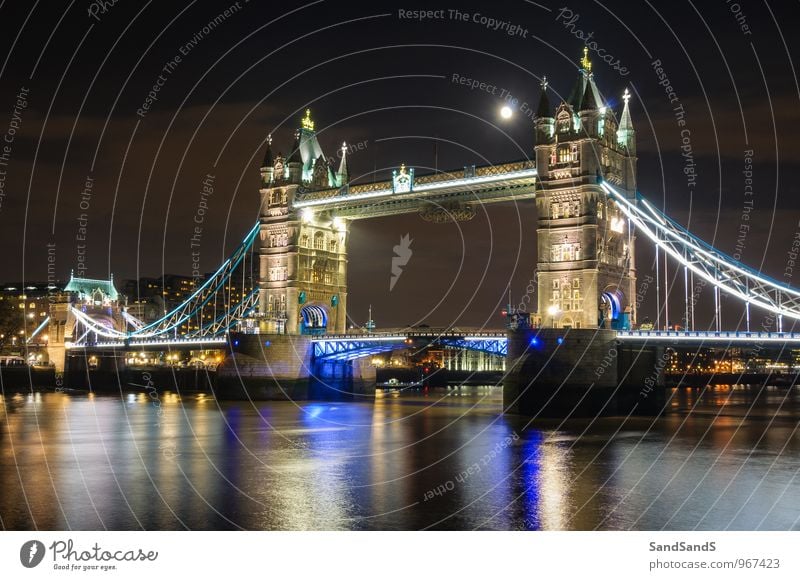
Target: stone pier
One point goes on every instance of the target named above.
(281, 367)
(581, 373)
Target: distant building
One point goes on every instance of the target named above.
(24, 308)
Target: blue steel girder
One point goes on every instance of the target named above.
(494, 346)
(351, 349)
(357, 347)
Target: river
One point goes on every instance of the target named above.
(723, 458)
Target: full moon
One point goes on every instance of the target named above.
(506, 112)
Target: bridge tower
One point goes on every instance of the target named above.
(303, 255)
(586, 264)
(98, 299)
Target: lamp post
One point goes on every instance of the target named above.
(552, 310)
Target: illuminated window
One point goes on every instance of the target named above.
(566, 252)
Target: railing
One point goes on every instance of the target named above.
(708, 335)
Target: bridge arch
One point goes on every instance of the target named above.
(314, 319)
(612, 314)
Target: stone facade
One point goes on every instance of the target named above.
(302, 254)
(586, 265)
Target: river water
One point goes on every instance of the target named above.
(723, 458)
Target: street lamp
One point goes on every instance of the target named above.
(552, 310)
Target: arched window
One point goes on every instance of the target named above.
(319, 241)
(332, 245)
(304, 240)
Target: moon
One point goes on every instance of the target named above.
(506, 112)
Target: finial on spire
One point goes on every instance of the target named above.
(544, 83)
(585, 62)
(307, 122)
(269, 139)
(342, 175)
(626, 96)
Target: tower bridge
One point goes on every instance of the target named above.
(287, 334)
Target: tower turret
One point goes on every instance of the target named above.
(544, 120)
(342, 177)
(268, 164)
(626, 136)
(295, 162)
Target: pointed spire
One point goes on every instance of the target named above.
(268, 158)
(295, 156)
(625, 130)
(588, 101)
(342, 173)
(544, 103)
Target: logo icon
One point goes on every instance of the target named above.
(402, 256)
(31, 553)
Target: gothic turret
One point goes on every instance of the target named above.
(588, 112)
(267, 165)
(626, 136)
(295, 162)
(544, 120)
(342, 177)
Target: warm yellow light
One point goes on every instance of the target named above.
(307, 122)
(506, 112)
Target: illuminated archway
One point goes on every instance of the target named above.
(314, 319)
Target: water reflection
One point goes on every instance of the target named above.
(722, 458)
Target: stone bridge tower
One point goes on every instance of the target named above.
(303, 255)
(586, 264)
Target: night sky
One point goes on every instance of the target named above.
(375, 78)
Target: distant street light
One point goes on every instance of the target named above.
(506, 112)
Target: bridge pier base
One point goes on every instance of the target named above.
(281, 367)
(354, 379)
(561, 373)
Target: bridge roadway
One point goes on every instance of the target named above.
(363, 343)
